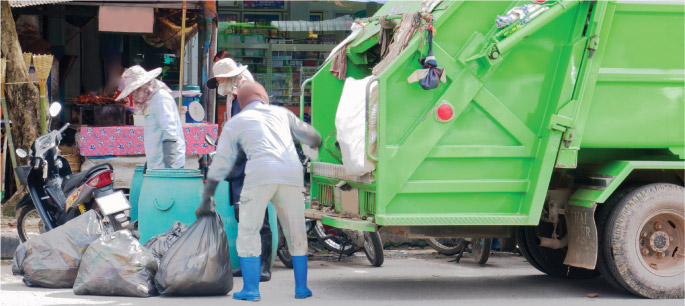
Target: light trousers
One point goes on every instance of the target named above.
(289, 203)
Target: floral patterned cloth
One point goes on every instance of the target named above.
(128, 140)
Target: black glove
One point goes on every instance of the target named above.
(207, 205)
(169, 152)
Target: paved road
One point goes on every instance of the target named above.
(416, 279)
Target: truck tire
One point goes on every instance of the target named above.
(546, 260)
(644, 241)
(524, 249)
(602, 217)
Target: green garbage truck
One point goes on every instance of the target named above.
(559, 124)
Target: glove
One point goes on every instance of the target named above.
(312, 153)
(207, 205)
(169, 153)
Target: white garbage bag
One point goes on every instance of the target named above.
(350, 125)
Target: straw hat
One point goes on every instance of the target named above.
(134, 77)
(225, 68)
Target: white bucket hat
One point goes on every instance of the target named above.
(134, 77)
(225, 68)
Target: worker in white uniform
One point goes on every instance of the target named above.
(263, 134)
(165, 145)
(228, 75)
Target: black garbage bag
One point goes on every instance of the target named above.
(161, 243)
(116, 264)
(52, 259)
(198, 263)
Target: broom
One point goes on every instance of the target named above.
(5, 113)
(27, 59)
(43, 64)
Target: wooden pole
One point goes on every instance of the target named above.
(180, 70)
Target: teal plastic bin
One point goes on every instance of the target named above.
(169, 195)
(134, 191)
(166, 196)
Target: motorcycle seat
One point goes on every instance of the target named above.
(73, 181)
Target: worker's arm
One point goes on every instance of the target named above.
(166, 115)
(303, 132)
(169, 153)
(227, 152)
(206, 207)
(221, 167)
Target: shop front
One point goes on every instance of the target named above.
(285, 42)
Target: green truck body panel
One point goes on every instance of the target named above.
(556, 87)
(616, 172)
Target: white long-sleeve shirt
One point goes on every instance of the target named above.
(162, 122)
(264, 135)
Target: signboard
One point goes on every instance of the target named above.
(126, 19)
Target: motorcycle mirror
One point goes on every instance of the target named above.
(209, 140)
(55, 108)
(21, 153)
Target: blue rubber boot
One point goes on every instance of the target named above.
(250, 267)
(300, 268)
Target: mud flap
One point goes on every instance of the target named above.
(582, 236)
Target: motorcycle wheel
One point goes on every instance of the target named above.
(29, 223)
(283, 252)
(447, 246)
(481, 249)
(333, 244)
(373, 248)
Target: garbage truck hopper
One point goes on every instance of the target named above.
(522, 100)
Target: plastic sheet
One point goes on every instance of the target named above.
(116, 264)
(198, 263)
(161, 243)
(52, 259)
(350, 125)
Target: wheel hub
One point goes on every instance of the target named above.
(661, 243)
(658, 242)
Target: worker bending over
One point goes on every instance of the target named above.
(263, 134)
(227, 77)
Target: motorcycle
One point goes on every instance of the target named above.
(338, 241)
(480, 247)
(55, 195)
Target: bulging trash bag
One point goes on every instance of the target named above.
(161, 243)
(52, 259)
(116, 264)
(198, 263)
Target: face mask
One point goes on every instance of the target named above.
(228, 87)
(224, 89)
(141, 98)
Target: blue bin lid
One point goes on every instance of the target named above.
(185, 87)
(173, 173)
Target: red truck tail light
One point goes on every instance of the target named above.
(103, 179)
(445, 112)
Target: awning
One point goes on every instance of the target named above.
(24, 3)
